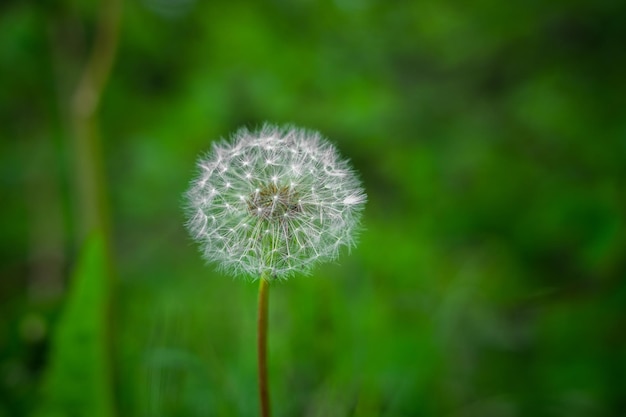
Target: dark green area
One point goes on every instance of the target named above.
(489, 280)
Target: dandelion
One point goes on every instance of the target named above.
(271, 203)
(274, 202)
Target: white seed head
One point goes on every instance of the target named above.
(274, 201)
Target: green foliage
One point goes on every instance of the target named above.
(78, 381)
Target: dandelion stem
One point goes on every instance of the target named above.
(264, 398)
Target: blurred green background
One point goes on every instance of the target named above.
(491, 140)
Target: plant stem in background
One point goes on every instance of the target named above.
(264, 398)
(84, 108)
(91, 184)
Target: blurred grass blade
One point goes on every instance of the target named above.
(78, 379)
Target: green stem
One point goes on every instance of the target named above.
(84, 111)
(264, 397)
(90, 173)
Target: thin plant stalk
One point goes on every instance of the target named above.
(264, 397)
(84, 114)
(91, 187)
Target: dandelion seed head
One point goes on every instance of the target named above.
(274, 201)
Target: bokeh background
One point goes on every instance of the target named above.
(489, 279)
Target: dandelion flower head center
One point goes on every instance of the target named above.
(274, 202)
